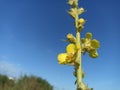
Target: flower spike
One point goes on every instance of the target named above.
(90, 46)
(78, 46)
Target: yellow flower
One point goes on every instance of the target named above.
(71, 48)
(68, 57)
(62, 58)
(90, 45)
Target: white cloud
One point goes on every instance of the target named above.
(9, 69)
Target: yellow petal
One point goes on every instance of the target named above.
(71, 48)
(62, 58)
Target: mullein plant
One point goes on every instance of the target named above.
(78, 46)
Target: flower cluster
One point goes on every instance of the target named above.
(90, 46)
(70, 55)
(87, 45)
(74, 12)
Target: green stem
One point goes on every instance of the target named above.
(79, 62)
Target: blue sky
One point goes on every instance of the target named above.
(31, 34)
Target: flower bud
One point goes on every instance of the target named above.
(95, 43)
(71, 38)
(73, 3)
(81, 10)
(81, 21)
(89, 35)
(71, 48)
(73, 12)
(93, 54)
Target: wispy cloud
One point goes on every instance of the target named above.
(10, 69)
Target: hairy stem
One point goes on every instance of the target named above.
(79, 61)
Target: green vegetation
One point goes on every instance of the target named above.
(24, 83)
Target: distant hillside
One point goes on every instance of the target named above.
(24, 83)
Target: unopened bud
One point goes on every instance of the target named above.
(93, 54)
(81, 10)
(81, 21)
(71, 38)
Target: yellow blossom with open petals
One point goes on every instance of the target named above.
(62, 58)
(71, 48)
(68, 57)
